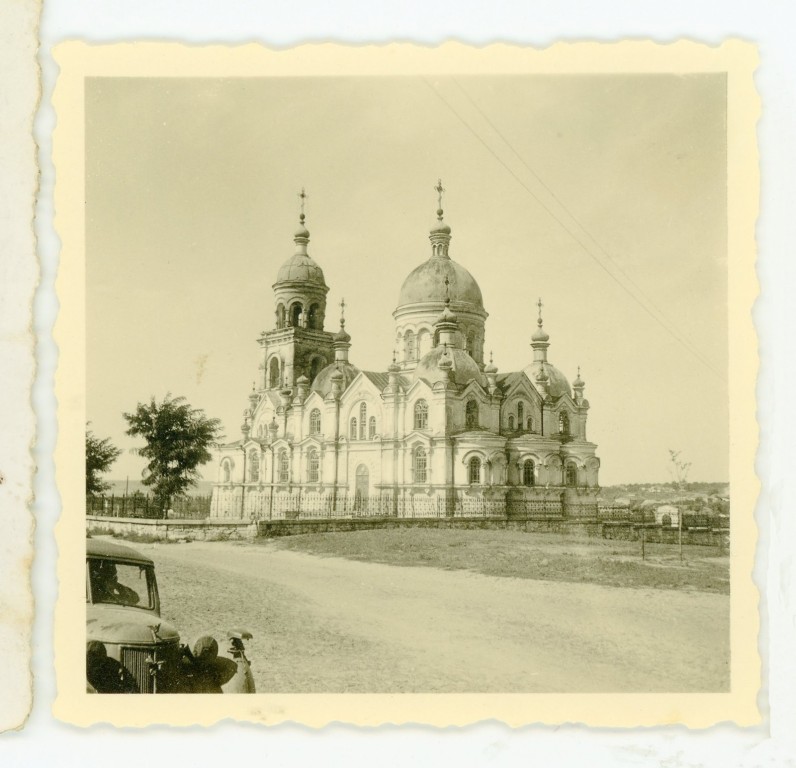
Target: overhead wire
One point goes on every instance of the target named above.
(658, 318)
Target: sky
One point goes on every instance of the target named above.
(582, 190)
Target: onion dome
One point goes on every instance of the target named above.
(578, 383)
(491, 367)
(540, 334)
(393, 367)
(541, 375)
(342, 336)
(302, 380)
(425, 283)
(300, 267)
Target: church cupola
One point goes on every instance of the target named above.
(300, 288)
(342, 339)
(447, 325)
(440, 234)
(297, 345)
(491, 375)
(540, 340)
(578, 386)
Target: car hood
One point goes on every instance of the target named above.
(129, 626)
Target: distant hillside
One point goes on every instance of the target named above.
(202, 488)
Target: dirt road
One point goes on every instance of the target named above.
(334, 625)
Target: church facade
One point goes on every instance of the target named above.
(440, 433)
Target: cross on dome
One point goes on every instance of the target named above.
(439, 189)
(302, 196)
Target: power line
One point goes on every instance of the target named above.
(691, 347)
(577, 239)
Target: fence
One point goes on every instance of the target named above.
(301, 505)
(145, 506)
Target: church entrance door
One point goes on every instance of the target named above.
(363, 482)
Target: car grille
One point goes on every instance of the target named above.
(141, 664)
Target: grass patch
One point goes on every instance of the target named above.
(550, 557)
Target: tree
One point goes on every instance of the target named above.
(100, 455)
(679, 469)
(178, 440)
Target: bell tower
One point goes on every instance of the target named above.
(297, 345)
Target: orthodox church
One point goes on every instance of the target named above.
(440, 433)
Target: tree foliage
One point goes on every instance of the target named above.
(100, 455)
(679, 469)
(178, 440)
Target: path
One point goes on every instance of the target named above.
(329, 624)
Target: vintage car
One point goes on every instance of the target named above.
(131, 649)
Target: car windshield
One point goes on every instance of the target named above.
(128, 584)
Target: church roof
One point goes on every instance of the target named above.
(464, 368)
(427, 283)
(322, 383)
(557, 383)
(301, 267)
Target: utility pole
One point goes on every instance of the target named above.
(680, 530)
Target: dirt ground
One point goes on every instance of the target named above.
(328, 624)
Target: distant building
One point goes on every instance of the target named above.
(439, 432)
(667, 515)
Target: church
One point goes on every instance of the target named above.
(440, 433)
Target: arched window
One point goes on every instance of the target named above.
(280, 316)
(572, 474)
(313, 466)
(520, 413)
(363, 420)
(284, 467)
(511, 423)
(421, 414)
(420, 465)
(471, 343)
(254, 466)
(409, 341)
(471, 415)
(528, 472)
(530, 424)
(353, 433)
(226, 471)
(273, 373)
(372, 428)
(314, 317)
(563, 423)
(315, 421)
(295, 315)
(474, 471)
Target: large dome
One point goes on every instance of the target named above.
(464, 368)
(426, 283)
(301, 268)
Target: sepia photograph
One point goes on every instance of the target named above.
(412, 383)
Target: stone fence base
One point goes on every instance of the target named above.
(220, 529)
(172, 530)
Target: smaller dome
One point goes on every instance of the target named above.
(446, 316)
(578, 383)
(342, 336)
(432, 368)
(440, 226)
(540, 334)
(341, 371)
(302, 379)
(491, 367)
